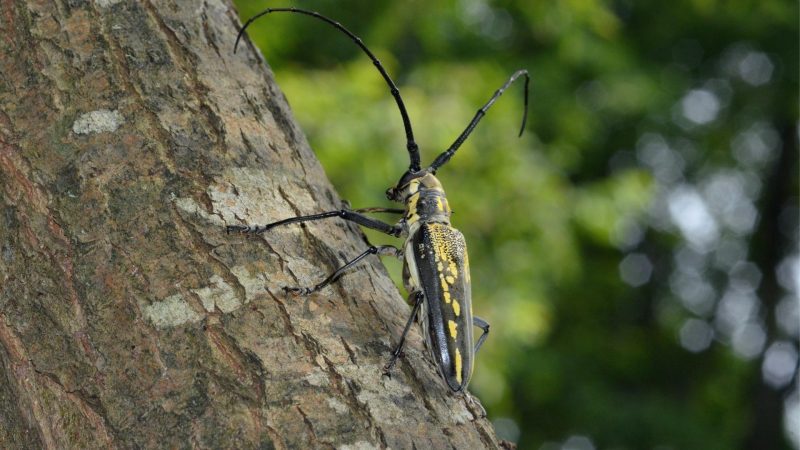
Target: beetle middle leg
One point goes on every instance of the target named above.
(384, 250)
(419, 297)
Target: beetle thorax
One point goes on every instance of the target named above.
(426, 202)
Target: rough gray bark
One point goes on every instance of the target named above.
(129, 137)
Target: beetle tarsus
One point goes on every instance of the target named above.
(236, 229)
(396, 354)
(297, 291)
(387, 369)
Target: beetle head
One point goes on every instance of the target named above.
(410, 183)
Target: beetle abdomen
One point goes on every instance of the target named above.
(440, 254)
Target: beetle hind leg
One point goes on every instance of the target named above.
(418, 298)
(483, 325)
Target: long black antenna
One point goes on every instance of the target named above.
(447, 154)
(413, 149)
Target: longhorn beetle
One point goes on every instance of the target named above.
(436, 266)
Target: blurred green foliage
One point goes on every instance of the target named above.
(628, 248)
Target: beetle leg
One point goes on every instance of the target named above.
(385, 250)
(484, 325)
(346, 214)
(418, 298)
(378, 209)
(475, 406)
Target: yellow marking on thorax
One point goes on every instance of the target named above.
(453, 328)
(412, 202)
(413, 217)
(458, 366)
(413, 186)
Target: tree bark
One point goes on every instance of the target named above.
(130, 135)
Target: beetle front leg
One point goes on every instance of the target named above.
(346, 214)
(384, 250)
(484, 325)
(418, 299)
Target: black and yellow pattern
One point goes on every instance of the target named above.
(440, 253)
(436, 269)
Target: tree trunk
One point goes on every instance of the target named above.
(130, 135)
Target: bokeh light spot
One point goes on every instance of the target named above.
(756, 68)
(690, 214)
(578, 442)
(787, 315)
(653, 151)
(756, 145)
(745, 276)
(636, 269)
(748, 340)
(791, 418)
(780, 363)
(696, 294)
(788, 273)
(700, 106)
(696, 335)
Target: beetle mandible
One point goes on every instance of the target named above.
(436, 265)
